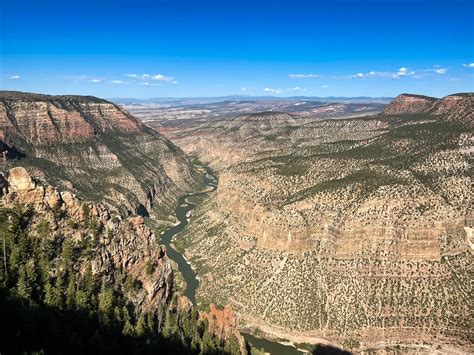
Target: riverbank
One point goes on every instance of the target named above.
(283, 336)
(188, 274)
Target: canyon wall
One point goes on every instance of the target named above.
(358, 230)
(94, 148)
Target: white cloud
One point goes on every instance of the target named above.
(243, 89)
(403, 72)
(372, 74)
(303, 76)
(298, 89)
(96, 80)
(117, 82)
(146, 83)
(175, 82)
(468, 65)
(441, 71)
(15, 77)
(273, 91)
(324, 86)
(158, 77)
(134, 76)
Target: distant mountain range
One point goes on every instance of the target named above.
(177, 101)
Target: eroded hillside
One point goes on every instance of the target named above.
(78, 278)
(355, 230)
(93, 147)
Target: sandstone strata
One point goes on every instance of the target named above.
(354, 230)
(94, 148)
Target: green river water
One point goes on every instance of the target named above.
(189, 275)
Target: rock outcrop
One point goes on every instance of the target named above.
(410, 104)
(94, 148)
(223, 324)
(455, 108)
(119, 243)
(20, 180)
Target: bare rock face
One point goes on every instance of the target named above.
(355, 230)
(20, 180)
(223, 323)
(121, 243)
(454, 108)
(410, 104)
(94, 148)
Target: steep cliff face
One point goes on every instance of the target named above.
(116, 243)
(356, 230)
(410, 104)
(223, 324)
(94, 148)
(76, 275)
(455, 108)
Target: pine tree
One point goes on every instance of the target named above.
(32, 278)
(127, 325)
(85, 215)
(48, 294)
(67, 253)
(140, 327)
(106, 304)
(118, 315)
(22, 286)
(207, 343)
(232, 345)
(82, 301)
(71, 292)
(151, 323)
(89, 285)
(58, 292)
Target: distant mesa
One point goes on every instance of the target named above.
(265, 116)
(457, 107)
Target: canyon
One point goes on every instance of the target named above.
(83, 186)
(94, 148)
(352, 230)
(357, 231)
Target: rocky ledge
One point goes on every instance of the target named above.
(117, 242)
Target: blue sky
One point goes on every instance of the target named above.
(146, 48)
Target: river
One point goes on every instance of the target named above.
(189, 275)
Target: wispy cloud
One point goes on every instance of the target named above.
(158, 77)
(303, 76)
(324, 86)
(117, 82)
(373, 74)
(273, 91)
(96, 81)
(441, 71)
(402, 72)
(15, 77)
(468, 65)
(146, 83)
(243, 89)
(298, 89)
